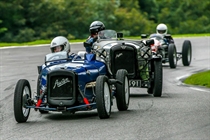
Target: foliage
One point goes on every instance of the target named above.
(2, 29)
(133, 22)
(23, 21)
(201, 79)
(182, 17)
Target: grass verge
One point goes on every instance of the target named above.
(38, 42)
(199, 79)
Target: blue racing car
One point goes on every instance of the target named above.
(72, 85)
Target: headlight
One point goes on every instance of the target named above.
(95, 47)
(104, 53)
(145, 52)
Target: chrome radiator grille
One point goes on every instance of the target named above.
(124, 58)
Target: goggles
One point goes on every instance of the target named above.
(94, 31)
(161, 31)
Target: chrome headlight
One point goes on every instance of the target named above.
(145, 52)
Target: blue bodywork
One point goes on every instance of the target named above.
(86, 70)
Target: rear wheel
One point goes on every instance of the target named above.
(186, 53)
(123, 90)
(172, 56)
(21, 96)
(103, 97)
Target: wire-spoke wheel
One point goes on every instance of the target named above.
(21, 96)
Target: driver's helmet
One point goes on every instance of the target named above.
(96, 27)
(162, 29)
(62, 42)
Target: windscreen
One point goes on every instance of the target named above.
(107, 34)
(56, 56)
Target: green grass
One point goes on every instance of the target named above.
(200, 79)
(191, 35)
(38, 42)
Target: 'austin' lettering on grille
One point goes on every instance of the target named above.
(60, 83)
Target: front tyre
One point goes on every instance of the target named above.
(103, 97)
(158, 76)
(186, 53)
(21, 96)
(172, 56)
(123, 90)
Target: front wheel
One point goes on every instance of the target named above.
(186, 53)
(21, 96)
(103, 97)
(172, 56)
(156, 83)
(123, 90)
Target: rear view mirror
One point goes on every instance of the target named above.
(150, 42)
(120, 35)
(143, 35)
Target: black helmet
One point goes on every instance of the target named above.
(96, 27)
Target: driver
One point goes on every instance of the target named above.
(162, 29)
(59, 44)
(95, 27)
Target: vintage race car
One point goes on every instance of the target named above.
(143, 66)
(165, 46)
(65, 85)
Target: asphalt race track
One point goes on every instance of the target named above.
(182, 113)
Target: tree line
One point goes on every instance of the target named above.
(29, 20)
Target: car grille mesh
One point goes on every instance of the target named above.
(124, 59)
(61, 86)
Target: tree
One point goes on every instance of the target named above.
(130, 20)
(150, 7)
(181, 16)
(2, 29)
(22, 21)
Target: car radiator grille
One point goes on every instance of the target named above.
(124, 59)
(61, 86)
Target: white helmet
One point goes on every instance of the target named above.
(60, 41)
(162, 29)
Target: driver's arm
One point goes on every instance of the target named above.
(90, 41)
